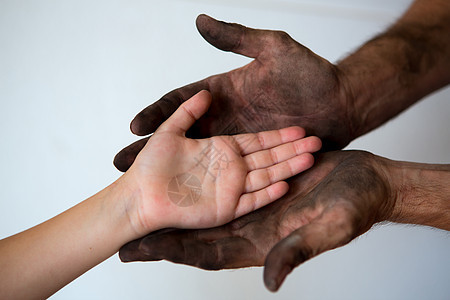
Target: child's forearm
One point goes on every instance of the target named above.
(36, 263)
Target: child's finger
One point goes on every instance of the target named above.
(261, 178)
(269, 157)
(251, 142)
(253, 201)
(188, 112)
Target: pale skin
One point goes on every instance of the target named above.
(287, 84)
(41, 260)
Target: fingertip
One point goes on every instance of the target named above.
(298, 131)
(284, 187)
(206, 95)
(134, 126)
(273, 278)
(124, 257)
(199, 103)
(290, 134)
(271, 284)
(146, 122)
(202, 19)
(206, 28)
(120, 162)
(278, 264)
(125, 158)
(307, 160)
(231, 36)
(126, 252)
(187, 113)
(222, 35)
(316, 143)
(279, 189)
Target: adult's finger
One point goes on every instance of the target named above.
(125, 158)
(188, 112)
(328, 231)
(235, 37)
(151, 117)
(211, 249)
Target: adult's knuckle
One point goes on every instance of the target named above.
(282, 37)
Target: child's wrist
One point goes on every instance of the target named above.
(136, 206)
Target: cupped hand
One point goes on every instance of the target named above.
(187, 183)
(285, 85)
(340, 198)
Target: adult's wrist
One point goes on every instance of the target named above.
(421, 193)
(350, 101)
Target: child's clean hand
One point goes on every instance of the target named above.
(174, 182)
(187, 183)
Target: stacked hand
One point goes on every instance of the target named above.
(345, 193)
(286, 85)
(341, 197)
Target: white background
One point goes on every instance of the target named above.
(74, 73)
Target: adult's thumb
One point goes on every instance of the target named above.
(232, 37)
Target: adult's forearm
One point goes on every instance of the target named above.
(421, 193)
(400, 66)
